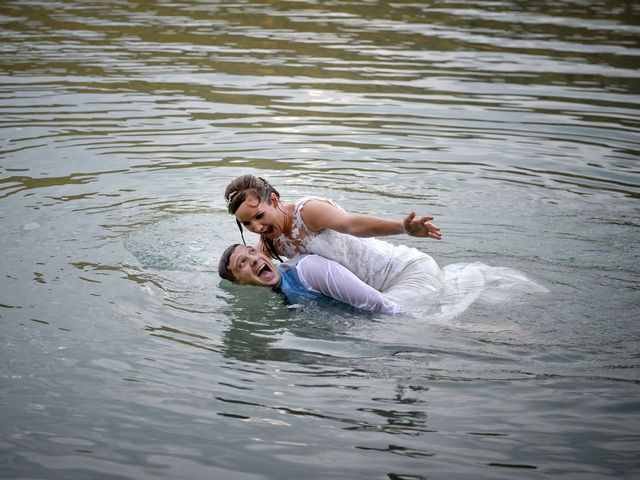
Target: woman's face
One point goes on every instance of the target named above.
(252, 267)
(261, 217)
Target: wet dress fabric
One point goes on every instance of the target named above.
(397, 271)
(311, 277)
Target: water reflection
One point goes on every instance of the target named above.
(191, 339)
(349, 82)
(515, 123)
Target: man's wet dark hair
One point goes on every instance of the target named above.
(223, 266)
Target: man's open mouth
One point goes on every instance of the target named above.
(264, 271)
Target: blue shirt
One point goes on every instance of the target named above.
(293, 289)
(311, 278)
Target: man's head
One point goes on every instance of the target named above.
(245, 265)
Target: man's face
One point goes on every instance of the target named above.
(252, 267)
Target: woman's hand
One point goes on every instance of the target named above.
(420, 227)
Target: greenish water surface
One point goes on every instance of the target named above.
(516, 124)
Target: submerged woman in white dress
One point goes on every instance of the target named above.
(317, 225)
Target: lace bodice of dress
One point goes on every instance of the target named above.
(374, 261)
(301, 236)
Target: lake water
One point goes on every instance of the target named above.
(516, 124)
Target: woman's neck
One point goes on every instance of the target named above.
(287, 212)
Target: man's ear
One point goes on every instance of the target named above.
(274, 199)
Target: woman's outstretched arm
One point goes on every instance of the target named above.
(320, 214)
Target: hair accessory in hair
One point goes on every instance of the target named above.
(231, 195)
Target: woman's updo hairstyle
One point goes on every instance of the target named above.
(247, 186)
(254, 189)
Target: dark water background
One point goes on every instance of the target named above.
(515, 123)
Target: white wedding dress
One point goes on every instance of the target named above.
(399, 272)
(406, 276)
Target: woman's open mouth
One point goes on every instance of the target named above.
(269, 231)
